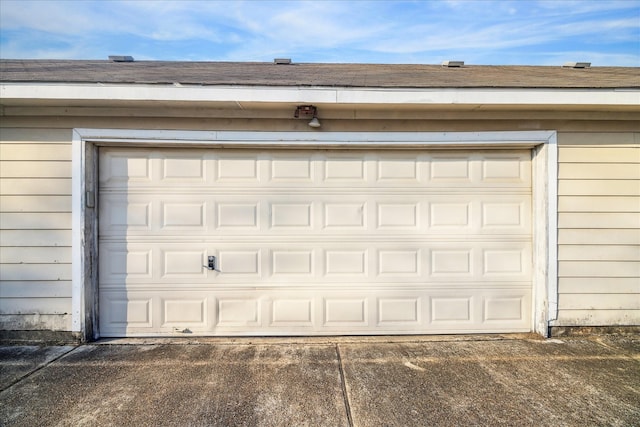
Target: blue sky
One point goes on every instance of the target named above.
(550, 32)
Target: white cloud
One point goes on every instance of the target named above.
(48, 16)
(337, 31)
(597, 59)
(575, 7)
(509, 32)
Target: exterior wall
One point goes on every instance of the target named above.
(599, 229)
(599, 203)
(35, 227)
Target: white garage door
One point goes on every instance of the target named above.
(314, 242)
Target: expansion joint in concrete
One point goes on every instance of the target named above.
(37, 369)
(343, 383)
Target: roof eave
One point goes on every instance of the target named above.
(278, 95)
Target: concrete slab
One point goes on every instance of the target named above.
(19, 361)
(329, 382)
(629, 344)
(171, 385)
(524, 382)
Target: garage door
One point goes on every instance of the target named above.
(309, 242)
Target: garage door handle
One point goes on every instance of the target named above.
(211, 264)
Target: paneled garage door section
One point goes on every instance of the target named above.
(314, 242)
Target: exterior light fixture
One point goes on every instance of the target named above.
(314, 123)
(307, 111)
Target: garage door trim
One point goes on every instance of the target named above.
(84, 178)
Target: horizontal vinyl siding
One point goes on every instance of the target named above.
(29, 272)
(599, 207)
(582, 236)
(35, 187)
(599, 253)
(599, 285)
(36, 220)
(35, 204)
(35, 169)
(35, 229)
(589, 187)
(599, 229)
(49, 238)
(22, 289)
(36, 255)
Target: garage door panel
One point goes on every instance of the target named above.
(342, 262)
(185, 264)
(456, 310)
(292, 215)
(399, 170)
(451, 168)
(240, 262)
(451, 262)
(183, 312)
(239, 311)
(288, 262)
(120, 311)
(274, 312)
(505, 308)
(118, 216)
(406, 262)
(399, 311)
(480, 169)
(291, 169)
(346, 169)
(184, 168)
(359, 261)
(512, 262)
(238, 216)
(506, 214)
(490, 309)
(315, 214)
(342, 311)
(314, 242)
(119, 263)
(122, 168)
(287, 311)
(182, 215)
(239, 169)
(506, 168)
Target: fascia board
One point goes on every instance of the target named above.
(495, 97)
(352, 96)
(166, 93)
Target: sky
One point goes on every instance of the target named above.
(519, 32)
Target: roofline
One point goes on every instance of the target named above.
(597, 97)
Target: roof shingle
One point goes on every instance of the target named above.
(315, 74)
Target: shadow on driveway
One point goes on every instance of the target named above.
(414, 381)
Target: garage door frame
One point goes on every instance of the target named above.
(84, 192)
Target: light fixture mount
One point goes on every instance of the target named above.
(308, 111)
(305, 111)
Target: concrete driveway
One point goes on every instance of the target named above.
(412, 381)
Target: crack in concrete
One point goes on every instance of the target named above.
(343, 384)
(632, 356)
(37, 369)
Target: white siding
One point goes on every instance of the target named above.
(35, 229)
(599, 229)
(599, 207)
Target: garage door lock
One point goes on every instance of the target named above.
(211, 263)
